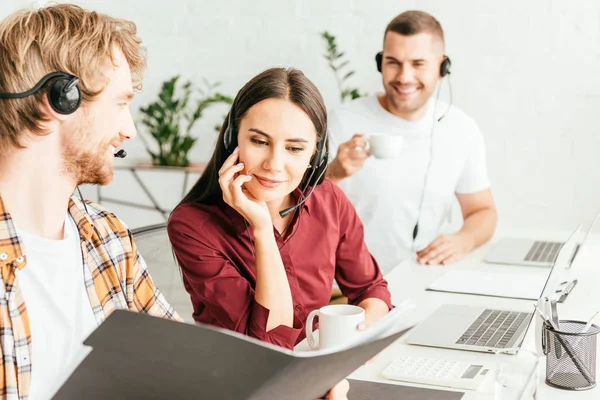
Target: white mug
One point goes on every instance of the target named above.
(384, 146)
(338, 325)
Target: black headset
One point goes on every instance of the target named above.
(444, 67)
(318, 163)
(64, 94)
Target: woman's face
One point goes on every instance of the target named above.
(277, 140)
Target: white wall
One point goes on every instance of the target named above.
(527, 71)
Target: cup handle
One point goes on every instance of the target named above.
(367, 147)
(310, 337)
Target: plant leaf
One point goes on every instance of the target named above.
(348, 75)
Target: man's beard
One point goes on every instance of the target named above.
(86, 166)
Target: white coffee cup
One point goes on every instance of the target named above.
(384, 146)
(338, 325)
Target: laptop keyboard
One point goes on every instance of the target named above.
(543, 252)
(493, 328)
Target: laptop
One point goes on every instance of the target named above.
(530, 252)
(482, 329)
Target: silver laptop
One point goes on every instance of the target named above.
(531, 252)
(486, 330)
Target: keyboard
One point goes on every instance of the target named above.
(493, 328)
(438, 372)
(543, 251)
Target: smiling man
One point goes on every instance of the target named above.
(403, 201)
(67, 79)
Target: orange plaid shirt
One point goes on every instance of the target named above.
(115, 275)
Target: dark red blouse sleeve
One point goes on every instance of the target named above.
(357, 272)
(215, 286)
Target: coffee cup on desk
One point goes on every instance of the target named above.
(384, 146)
(338, 325)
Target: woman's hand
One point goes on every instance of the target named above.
(339, 391)
(234, 194)
(375, 309)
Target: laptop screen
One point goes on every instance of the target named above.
(590, 239)
(560, 264)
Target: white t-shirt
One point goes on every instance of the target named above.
(58, 307)
(386, 193)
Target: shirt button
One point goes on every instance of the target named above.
(288, 270)
(298, 307)
(19, 259)
(3, 256)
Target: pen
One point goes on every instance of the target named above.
(589, 323)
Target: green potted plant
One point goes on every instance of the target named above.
(170, 119)
(335, 59)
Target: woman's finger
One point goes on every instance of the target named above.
(339, 391)
(226, 178)
(236, 188)
(228, 175)
(229, 161)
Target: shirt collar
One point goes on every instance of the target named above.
(238, 222)
(11, 247)
(82, 219)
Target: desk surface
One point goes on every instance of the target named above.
(410, 280)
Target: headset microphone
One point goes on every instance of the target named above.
(121, 154)
(318, 163)
(284, 213)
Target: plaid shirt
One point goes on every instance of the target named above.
(115, 275)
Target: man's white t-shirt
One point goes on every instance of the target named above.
(386, 193)
(58, 307)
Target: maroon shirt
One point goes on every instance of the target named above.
(214, 249)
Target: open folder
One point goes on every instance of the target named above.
(524, 285)
(138, 356)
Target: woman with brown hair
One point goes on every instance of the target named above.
(262, 235)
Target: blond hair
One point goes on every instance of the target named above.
(63, 38)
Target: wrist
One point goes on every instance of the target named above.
(262, 231)
(335, 172)
(467, 240)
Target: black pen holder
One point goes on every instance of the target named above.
(570, 355)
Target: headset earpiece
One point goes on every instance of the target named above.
(379, 60)
(445, 67)
(228, 134)
(64, 95)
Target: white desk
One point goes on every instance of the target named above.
(410, 280)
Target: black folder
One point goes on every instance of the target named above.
(136, 356)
